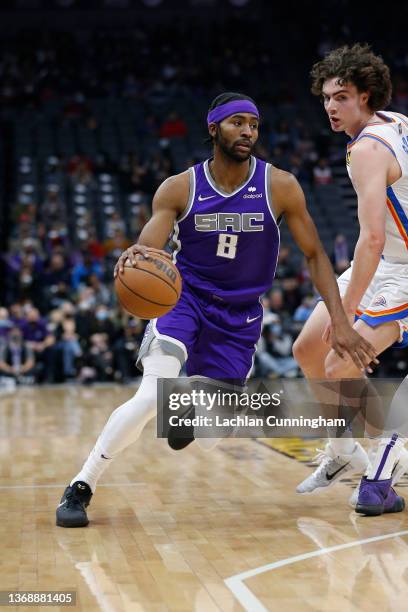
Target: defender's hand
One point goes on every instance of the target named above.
(345, 340)
(131, 254)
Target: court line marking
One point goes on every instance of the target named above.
(252, 604)
(58, 486)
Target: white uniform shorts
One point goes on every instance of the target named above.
(386, 298)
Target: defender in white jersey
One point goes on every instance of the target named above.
(386, 298)
(355, 86)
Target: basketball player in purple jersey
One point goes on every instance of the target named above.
(355, 86)
(225, 214)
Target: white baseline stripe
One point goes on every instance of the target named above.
(252, 604)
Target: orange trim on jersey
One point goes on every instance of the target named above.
(402, 118)
(398, 222)
(381, 313)
(385, 118)
(359, 312)
(370, 135)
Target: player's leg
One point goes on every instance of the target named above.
(165, 347)
(122, 429)
(344, 455)
(375, 493)
(222, 357)
(389, 458)
(381, 337)
(309, 350)
(312, 352)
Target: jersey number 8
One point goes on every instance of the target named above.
(227, 245)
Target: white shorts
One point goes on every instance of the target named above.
(386, 298)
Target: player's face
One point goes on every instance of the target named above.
(236, 136)
(345, 106)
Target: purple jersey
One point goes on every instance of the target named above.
(228, 243)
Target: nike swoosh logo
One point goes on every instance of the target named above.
(62, 504)
(253, 319)
(201, 199)
(331, 476)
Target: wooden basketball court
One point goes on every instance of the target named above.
(194, 530)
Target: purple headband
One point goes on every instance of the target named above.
(231, 108)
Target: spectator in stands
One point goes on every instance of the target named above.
(118, 243)
(173, 127)
(274, 355)
(5, 323)
(41, 342)
(17, 316)
(136, 175)
(98, 360)
(288, 281)
(101, 323)
(278, 305)
(305, 309)
(81, 164)
(322, 174)
(68, 347)
(83, 175)
(103, 295)
(83, 270)
(17, 358)
(114, 223)
(53, 207)
(56, 273)
(126, 349)
(283, 137)
(299, 169)
(285, 267)
(93, 245)
(84, 313)
(26, 286)
(340, 257)
(139, 216)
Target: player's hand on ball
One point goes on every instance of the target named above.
(131, 255)
(345, 340)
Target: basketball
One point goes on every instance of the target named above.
(151, 289)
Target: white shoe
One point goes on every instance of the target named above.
(332, 468)
(399, 469)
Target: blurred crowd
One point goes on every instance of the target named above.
(72, 212)
(61, 321)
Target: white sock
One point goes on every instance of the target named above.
(342, 446)
(126, 423)
(382, 464)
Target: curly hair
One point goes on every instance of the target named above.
(361, 67)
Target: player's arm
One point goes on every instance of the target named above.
(369, 164)
(289, 200)
(169, 201)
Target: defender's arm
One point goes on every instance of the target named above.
(369, 164)
(289, 200)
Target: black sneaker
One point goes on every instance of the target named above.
(180, 437)
(71, 510)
